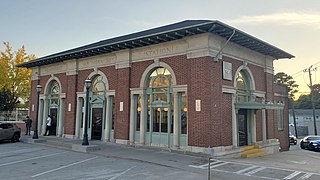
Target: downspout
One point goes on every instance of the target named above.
(218, 56)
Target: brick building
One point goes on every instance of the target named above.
(188, 85)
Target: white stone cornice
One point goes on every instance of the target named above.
(123, 59)
(110, 93)
(72, 67)
(260, 94)
(179, 88)
(229, 89)
(35, 73)
(136, 90)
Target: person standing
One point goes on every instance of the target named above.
(28, 122)
(48, 128)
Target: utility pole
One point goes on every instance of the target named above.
(294, 120)
(312, 101)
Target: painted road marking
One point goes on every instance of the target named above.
(252, 169)
(255, 171)
(62, 167)
(120, 174)
(294, 174)
(246, 169)
(217, 165)
(205, 166)
(306, 176)
(23, 150)
(38, 157)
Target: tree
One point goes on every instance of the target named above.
(304, 101)
(283, 78)
(14, 82)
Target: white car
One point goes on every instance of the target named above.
(9, 131)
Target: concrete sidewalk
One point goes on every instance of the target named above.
(163, 157)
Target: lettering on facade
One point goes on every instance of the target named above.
(159, 51)
(53, 69)
(93, 62)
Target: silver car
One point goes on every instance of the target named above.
(9, 131)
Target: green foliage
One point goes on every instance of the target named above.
(283, 78)
(14, 82)
(304, 101)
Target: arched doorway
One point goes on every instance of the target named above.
(159, 107)
(97, 108)
(245, 113)
(53, 106)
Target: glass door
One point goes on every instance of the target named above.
(96, 132)
(53, 113)
(242, 127)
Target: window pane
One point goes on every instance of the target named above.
(184, 111)
(138, 113)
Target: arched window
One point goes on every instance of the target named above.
(98, 86)
(54, 93)
(243, 87)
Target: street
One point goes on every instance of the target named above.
(34, 161)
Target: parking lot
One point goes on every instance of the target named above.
(40, 161)
(27, 161)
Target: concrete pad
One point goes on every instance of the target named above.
(35, 140)
(81, 148)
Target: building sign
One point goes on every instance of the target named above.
(198, 105)
(227, 71)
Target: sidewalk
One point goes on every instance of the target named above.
(151, 155)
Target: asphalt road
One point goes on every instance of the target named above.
(33, 161)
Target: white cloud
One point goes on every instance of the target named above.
(311, 19)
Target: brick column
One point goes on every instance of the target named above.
(122, 97)
(71, 98)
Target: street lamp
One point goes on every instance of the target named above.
(35, 134)
(85, 141)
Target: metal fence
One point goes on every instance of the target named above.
(16, 115)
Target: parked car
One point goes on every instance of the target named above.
(9, 131)
(310, 142)
(292, 139)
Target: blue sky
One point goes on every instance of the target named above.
(47, 27)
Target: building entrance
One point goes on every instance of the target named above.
(161, 129)
(53, 113)
(243, 127)
(96, 132)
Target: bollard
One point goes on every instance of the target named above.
(210, 152)
(209, 170)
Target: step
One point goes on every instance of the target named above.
(252, 151)
(253, 155)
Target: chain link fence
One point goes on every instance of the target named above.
(16, 115)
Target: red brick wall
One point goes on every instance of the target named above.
(111, 74)
(137, 70)
(71, 97)
(282, 135)
(204, 84)
(122, 95)
(33, 101)
(226, 120)
(259, 125)
(82, 76)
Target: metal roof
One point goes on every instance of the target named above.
(159, 35)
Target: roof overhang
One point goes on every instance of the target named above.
(159, 35)
(258, 105)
